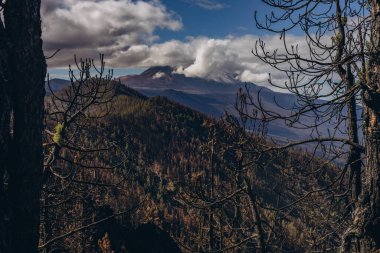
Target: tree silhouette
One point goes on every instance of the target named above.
(334, 71)
(22, 75)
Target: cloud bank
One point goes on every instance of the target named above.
(208, 57)
(87, 27)
(125, 31)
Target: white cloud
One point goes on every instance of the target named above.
(159, 75)
(207, 4)
(125, 31)
(249, 76)
(208, 57)
(87, 27)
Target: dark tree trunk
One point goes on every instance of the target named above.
(261, 246)
(366, 216)
(370, 199)
(354, 159)
(27, 69)
(348, 78)
(5, 109)
(368, 212)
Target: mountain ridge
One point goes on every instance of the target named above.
(215, 98)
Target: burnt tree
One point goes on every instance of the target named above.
(22, 75)
(334, 71)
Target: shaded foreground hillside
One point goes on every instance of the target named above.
(197, 184)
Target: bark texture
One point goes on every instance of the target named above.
(5, 108)
(370, 201)
(22, 75)
(363, 235)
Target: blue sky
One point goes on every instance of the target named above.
(202, 38)
(236, 17)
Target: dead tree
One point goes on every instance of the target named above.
(22, 75)
(81, 162)
(333, 70)
(225, 194)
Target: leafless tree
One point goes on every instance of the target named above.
(334, 72)
(81, 161)
(226, 192)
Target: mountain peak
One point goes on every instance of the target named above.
(158, 71)
(227, 78)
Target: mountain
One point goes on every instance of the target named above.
(55, 84)
(214, 98)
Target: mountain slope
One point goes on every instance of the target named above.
(55, 85)
(215, 98)
(167, 151)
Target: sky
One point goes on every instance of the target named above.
(201, 38)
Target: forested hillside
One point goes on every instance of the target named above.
(90, 165)
(206, 184)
